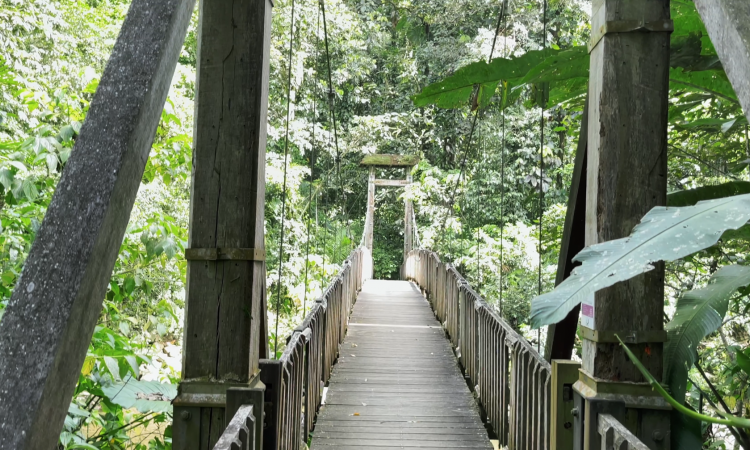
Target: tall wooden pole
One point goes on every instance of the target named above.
(226, 275)
(408, 225)
(627, 176)
(370, 218)
(51, 316)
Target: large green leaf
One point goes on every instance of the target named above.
(693, 196)
(565, 65)
(743, 362)
(694, 63)
(486, 92)
(711, 81)
(455, 90)
(686, 431)
(563, 91)
(698, 313)
(664, 234)
(711, 124)
(145, 396)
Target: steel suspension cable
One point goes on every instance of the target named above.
(312, 174)
(502, 212)
(541, 169)
(502, 180)
(283, 192)
(326, 210)
(481, 195)
(332, 107)
(473, 123)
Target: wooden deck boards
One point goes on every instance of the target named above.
(397, 383)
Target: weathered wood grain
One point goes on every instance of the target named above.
(626, 177)
(397, 383)
(225, 298)
(51, 316)
(223, 307)
(627, 173)
(382, 160)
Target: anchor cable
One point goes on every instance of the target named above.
(312, 174)
(332, 107)
(283, 192)
(473, 124)
(541, 172)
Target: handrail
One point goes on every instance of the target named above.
(615, 435)
(240, 433)
(512, 381)
(294, 382)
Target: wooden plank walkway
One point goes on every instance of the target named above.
(397, 383)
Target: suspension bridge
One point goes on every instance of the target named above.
(425, 362)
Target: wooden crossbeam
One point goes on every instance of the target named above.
(392, 183)
(49, 321)
(382, 160)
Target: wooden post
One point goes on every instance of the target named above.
(408, 228)
(627, 176)
(728, 25)
(370, 218)
(564, 374)
(225, 295)
(49, 321)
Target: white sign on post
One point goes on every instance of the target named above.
(587, 313)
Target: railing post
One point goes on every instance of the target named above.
(462, 328)
(240, 430)
(408, 224)
(238, 397)
(270, 375)
(564, 375)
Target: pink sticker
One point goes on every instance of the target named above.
(588, 310)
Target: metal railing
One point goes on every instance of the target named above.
(512, 381)
(616, 436)
(240, 433)
(294, 382)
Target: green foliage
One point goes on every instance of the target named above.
(692, 196)
(563, 74)
(698, 313)
(455, 90)
(728, 420)
(664, 234)
(382, 55)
